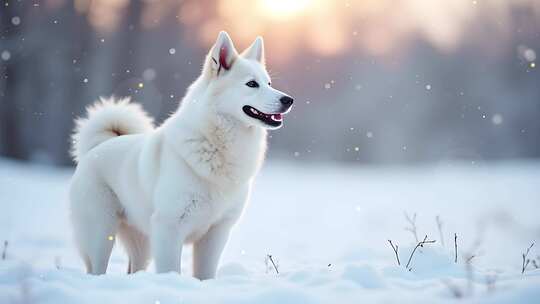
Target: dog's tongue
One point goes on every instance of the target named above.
(276, 116)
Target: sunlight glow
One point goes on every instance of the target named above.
(283, 9)
(330, 28)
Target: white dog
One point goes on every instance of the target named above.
(186, 181)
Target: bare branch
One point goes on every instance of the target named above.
(395, 248)
(470, 258)
(412, 228)
(4, 251)
(455, 248)
(525, 259)
(269, 256)
(420, 244)
(440, 228)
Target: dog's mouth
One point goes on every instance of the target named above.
(274, 120)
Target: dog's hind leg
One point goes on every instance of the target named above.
(136, 245)
(95, 217)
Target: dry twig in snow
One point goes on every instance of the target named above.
(440, 228)
(274, 265)
(4, 251)
(470, 258)
(455, 248)
(525, 259)
(420, 244)
(412, 228)
(395, 248)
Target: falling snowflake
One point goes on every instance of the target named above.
(172, 51)
(369, 134)
(327, 85)
(529, 54)
(85, 80)
(149, 74)
(428, 87)
(497, 119)
(526, 53)
(16, 20)
(6, 55)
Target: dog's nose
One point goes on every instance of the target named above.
(286, 100)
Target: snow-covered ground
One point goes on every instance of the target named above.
(327, 228)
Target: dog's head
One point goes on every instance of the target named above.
(241, 87)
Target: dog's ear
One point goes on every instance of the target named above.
(255, 51)
(222, 55)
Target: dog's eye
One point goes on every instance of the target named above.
(252, 84)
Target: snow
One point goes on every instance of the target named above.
(326, 227)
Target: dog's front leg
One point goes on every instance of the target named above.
(166, 241)
(208, 249)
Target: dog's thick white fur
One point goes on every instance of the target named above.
(186, 181)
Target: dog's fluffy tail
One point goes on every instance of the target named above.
(108, 118)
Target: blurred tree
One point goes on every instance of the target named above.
(414, 102)
(11, 32)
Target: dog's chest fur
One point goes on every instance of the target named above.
(223, 157)
(224, 152)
